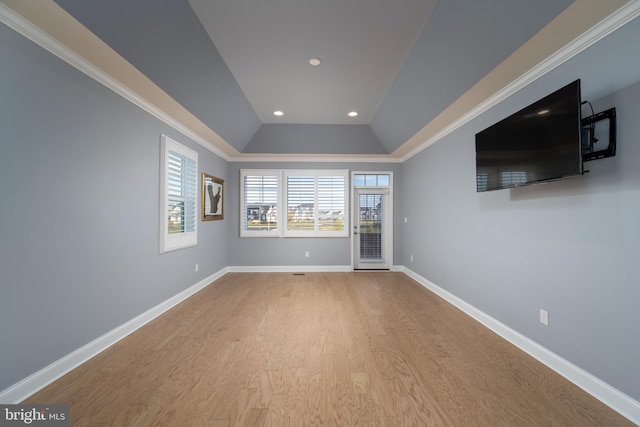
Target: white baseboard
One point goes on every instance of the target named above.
(28, 386)
(289, 269)
(300, 269)
(615, 399)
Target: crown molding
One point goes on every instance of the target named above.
(23, 26)
(319, 158)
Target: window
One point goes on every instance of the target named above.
(260, 198)
(301, 205)
(178, 204)
(314, 203)
(332, 193)
(371, 180)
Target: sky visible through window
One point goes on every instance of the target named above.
(371, 180)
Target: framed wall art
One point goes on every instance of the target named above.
(212, 198)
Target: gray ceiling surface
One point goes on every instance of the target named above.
(232, 63)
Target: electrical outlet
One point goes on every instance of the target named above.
(196, 267)
(544, 317)
(306, 254)
(411, 257)
(405, 219)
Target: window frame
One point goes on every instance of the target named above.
(174, 241)
(282, 229)
(317, 174)
(243, 208)
(357, 183)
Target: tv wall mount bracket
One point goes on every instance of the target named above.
(589, 151)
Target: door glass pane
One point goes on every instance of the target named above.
(371, 180)
(383, 181)
(370, 226)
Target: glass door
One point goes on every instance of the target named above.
(371, 229)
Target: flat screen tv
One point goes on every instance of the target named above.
(539, 143)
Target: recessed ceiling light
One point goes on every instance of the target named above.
(315, 61)
(278, 113)
(352, 113)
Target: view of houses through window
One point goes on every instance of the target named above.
(181, 191)
(315, 203)
(179, 186)
(260, 202)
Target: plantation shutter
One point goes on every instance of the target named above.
(331, 203)
(309, 203)
(182, 195)
(301, 203)
(179, 201)
(260, 203)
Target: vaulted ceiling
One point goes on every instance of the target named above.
(402, 65)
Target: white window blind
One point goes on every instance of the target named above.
(301, 203)
(179, 199)
(332, 192)
(314, 203)
(181, 193)
(260, 200)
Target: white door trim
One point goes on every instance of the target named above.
(354, 217)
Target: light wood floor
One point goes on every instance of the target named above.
(332, 349)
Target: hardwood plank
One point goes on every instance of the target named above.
(352, 349)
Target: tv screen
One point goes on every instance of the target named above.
(539, 143)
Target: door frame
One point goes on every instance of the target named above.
(355, 216)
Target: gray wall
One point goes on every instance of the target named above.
(315, 139)
(570, 247)
(274, 251)
(79, 185)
